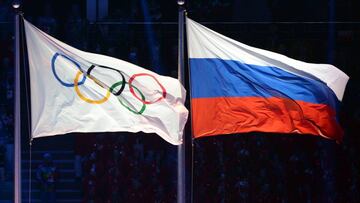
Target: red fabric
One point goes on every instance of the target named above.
(227, 115)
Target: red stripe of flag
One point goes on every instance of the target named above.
(228, 115)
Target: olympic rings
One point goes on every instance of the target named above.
(55, 74)
(142, 100)
(123, 82)
(77, 90)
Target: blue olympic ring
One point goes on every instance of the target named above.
(57, 77)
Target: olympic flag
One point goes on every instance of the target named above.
(236, 88)
(77, 91)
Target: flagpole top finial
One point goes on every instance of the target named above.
(181, 2)
(16, 5)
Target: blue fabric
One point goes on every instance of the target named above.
(211, 77)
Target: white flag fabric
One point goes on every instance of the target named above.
(77, 91)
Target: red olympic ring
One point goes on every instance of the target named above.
(140, 99)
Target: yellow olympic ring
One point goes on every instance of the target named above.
(77, 90)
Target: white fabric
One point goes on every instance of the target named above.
(58, 109)
(206, 43)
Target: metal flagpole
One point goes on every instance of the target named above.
(192, 163)
(181, 192)
(17, 128)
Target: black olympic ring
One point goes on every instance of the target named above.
(122, 77)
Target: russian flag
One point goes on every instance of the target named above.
(236, 88)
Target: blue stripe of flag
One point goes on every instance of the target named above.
(211, 77)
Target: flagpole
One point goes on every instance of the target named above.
(181, 188)
(17, 126)
(192, 163)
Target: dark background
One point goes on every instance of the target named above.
(252, 167)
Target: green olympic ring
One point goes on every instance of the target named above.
(126, 106)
